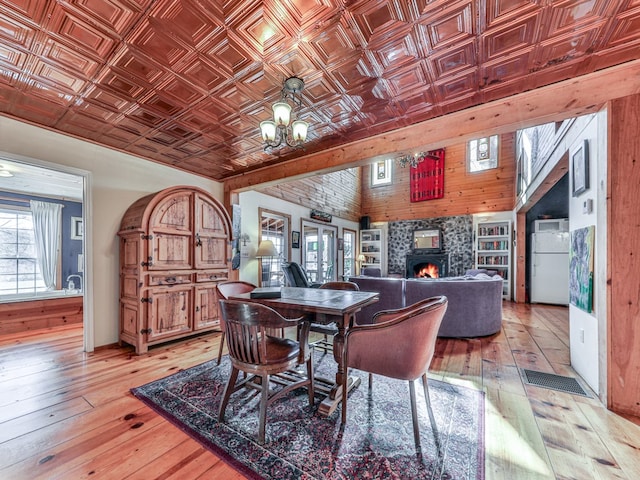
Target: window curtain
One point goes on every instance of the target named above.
(47, 218)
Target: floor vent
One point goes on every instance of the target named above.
(554, 382)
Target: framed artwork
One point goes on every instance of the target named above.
(580, 169)
(427, 178)
(295, 239)
(581, 260)
(77, 231)
(341, 244)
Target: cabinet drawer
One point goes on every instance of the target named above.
(212, 276)
(169, 279)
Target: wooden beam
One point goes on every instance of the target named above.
(559, 101)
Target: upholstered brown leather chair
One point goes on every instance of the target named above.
(225, 290)
(255, 352)
(399, 344)
(330, 328)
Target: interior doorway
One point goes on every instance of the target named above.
(30, 179)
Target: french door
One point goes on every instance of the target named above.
(319, 256)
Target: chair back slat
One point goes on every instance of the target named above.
(247, 327)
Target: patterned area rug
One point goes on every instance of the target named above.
(376, 443)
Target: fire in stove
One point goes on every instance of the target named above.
(428, 270)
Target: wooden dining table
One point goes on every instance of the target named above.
(322, 306)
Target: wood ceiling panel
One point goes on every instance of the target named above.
(186, 82)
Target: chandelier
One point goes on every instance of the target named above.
(413, 160)
(278, 132)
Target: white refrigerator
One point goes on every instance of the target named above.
(550, 268)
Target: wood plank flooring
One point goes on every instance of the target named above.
(67, 414)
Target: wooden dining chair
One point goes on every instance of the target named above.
(330, 329)
(253, 351)
(226, 290)
(399, 344)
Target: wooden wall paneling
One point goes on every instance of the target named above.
(38, 314)
(465, 193)
(337, 193)
(623, 332)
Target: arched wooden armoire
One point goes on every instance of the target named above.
(175, 246)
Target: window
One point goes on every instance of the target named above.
(381, 172)
(349, 252)
(482, 154)
(19, 270)
(275, 227)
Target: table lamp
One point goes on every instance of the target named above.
(267, 249)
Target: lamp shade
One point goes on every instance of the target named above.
(299, 128)
(268, 130)
(282, 113)
(361, 258)
(266, 249)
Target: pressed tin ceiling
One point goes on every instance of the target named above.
(187, 82)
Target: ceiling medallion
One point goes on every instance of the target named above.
(277, 132)
(413, 160)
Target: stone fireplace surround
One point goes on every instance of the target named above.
(457, 233)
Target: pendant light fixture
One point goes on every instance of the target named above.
(280, 131)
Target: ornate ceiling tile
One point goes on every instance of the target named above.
(81, 34)
(451, 26)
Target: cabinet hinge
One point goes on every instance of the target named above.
(146, 300)
(145, 330)
(146, 237)
(148, 263)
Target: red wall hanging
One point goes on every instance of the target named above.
(427, 178)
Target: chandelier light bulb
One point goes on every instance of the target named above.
(282, 114)
(299, 128)
(268, 130)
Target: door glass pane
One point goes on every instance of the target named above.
(310, 243)
(328, 255)
(349, 252)
(274, 227)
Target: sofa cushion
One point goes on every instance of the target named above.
(391, 292)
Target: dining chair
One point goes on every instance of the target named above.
(226, 290)
(330, 328)
(398, 344)
(253, 351)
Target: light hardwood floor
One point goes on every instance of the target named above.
(69, 415)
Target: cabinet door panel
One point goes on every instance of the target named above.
(206, 307)
(171, 233)
(169, 312)
(170, 251)
(172, 214)
(211, 234)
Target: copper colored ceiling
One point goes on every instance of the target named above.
(187, 82)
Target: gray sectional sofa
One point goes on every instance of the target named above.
(475, 301)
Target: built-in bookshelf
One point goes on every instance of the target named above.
(493, 250)
(373, 248)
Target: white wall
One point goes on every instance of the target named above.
(117, 180)
(250, 202)
(588, 330)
